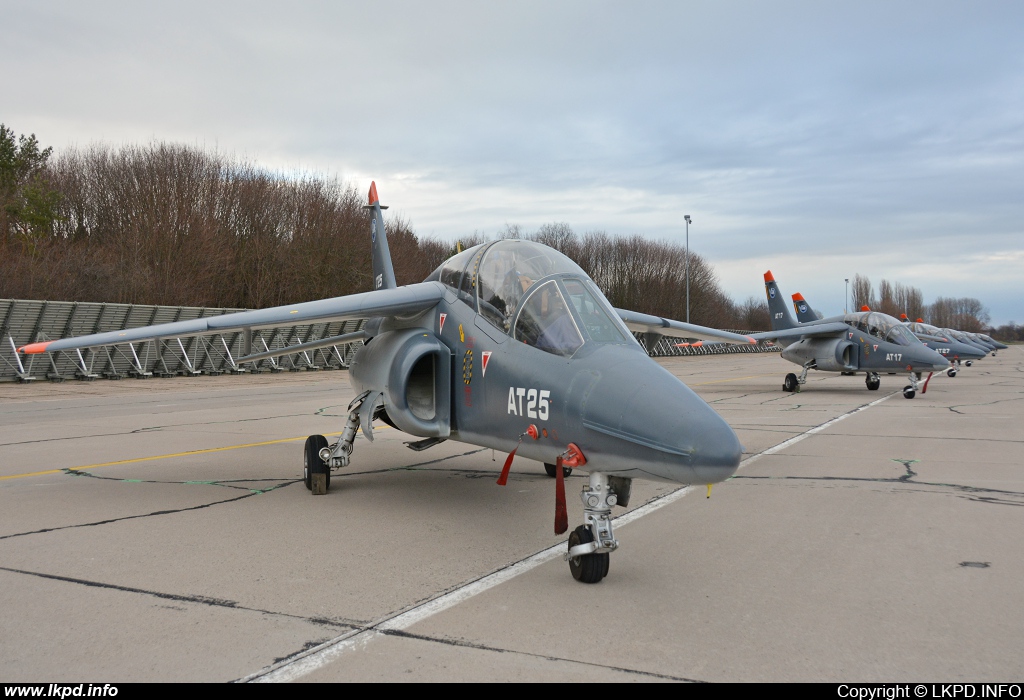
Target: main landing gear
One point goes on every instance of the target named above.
(793, 382)
(552, 470)
(590, 544)
(872, 381)
(319, 457)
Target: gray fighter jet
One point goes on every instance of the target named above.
(947, 344)
(867, 342)
(938, 340)
(507, 345)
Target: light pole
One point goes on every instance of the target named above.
(847, 300)
(686, 217)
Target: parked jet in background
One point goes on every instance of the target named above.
(867, 342)
(943, 341)
(507, 345)
(939, 341)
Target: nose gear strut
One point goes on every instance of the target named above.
(591, 543)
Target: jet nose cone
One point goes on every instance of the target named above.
(716, 450)
(937, 362)
(664, 428)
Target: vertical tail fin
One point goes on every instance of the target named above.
(777, 308)
(383, 270)
(804, 312)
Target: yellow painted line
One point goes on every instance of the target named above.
(176, 454)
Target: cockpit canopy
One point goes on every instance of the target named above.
(881, 326)
(925, 329)
(534, 293)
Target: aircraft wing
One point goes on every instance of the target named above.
(645, 323)
(399, 301)
(810, 330)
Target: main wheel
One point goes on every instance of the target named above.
(311, 462)
(951, 371)
(908, 392)
(790, 383)
(551, 470)
(589, 568)
(969, 363)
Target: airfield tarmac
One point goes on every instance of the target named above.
(159, 530)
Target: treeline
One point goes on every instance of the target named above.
(175, 225)
(966, 313)
(170, 224)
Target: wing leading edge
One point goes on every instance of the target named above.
(402, 301)
(808, 330)
(645, 323)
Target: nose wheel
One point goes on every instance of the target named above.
(587, 568)
(873, 382)
(951, 372)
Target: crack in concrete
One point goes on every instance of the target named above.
(968, 492)
(484, 647)
(986, 403)
(144, 515)
(197, 599)
(226, 483)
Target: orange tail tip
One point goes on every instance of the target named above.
(865, 308)
(798, 297)
(34, 348)
(920, 320)
(769, 277)
(904, 317)
(373, 193)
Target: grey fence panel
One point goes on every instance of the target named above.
(670, 347)
(27, 321)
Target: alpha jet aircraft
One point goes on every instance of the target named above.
(507, 345)
(868, 342)
(932, 337)
(945, 342)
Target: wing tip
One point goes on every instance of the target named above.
(34, 348)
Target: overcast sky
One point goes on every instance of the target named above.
(815, 139)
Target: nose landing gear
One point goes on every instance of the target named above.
(591, 543)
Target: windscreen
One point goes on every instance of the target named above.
(508, 269)
(546, 324)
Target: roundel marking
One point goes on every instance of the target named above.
(373, 230)
(771, 292)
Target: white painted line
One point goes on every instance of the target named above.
(312, 659)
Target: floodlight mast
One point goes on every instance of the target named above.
(686, 217)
